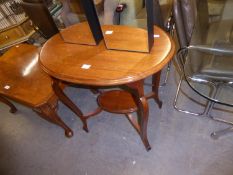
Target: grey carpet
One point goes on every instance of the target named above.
(181, 144)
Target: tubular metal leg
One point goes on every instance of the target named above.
(176, 98)
(170, 28)
(207, 112)
(167, 74)
(215, 135)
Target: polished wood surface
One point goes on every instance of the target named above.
(123, 38)
(22, 80)
(107, 67)
(81, 36)
(117, 101)
(98, 66)
(21, 76)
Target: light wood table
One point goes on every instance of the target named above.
(96, 66)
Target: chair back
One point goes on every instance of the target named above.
(187, 14)
(40, 16)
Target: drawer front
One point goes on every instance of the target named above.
(10, 35)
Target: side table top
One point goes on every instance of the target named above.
(95, 65)
(21, 77)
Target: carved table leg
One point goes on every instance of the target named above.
(48, 112)
(155, 89)
(137, 91)
(64, 99)
(5, 101)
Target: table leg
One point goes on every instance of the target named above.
(155, 89)
(137, 91)
(48, 112)
(5, 101)
(64, 99)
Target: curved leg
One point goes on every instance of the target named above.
(13, 109)
(155, 89)
(137, 90)
(48, 113)
(143, 112)
(64, 99)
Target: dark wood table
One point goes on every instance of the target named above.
(95, 66)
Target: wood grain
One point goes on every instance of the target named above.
(81, 36)
(22, 80)
(125, 38)
(107, 67)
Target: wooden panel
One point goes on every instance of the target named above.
(10, 35)
(81, 36)
(124, 38)
(16, 34)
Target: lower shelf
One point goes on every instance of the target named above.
(117, 101)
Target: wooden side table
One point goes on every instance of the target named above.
(22, 80)
(95, 66)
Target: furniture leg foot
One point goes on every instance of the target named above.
(48, 113)
(160, 103)
(69, 133)
(13, 109)
(147, 145)
(140, 99)
(85, 128)
(215, 135)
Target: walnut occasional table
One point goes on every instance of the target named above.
(95, 66)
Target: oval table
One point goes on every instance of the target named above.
(95, 66)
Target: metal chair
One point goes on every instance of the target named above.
(185, 15)
(206, 60)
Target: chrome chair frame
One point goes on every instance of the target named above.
(210, 104)
(170, 28)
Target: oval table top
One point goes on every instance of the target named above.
(98, 66)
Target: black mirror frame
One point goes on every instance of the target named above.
(92, 18)
(149, 5)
